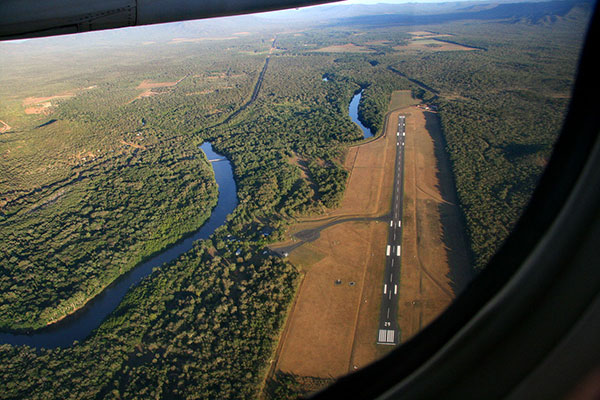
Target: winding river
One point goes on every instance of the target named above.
(353, 111)
(79, 325)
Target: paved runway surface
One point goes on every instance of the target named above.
(387, 333)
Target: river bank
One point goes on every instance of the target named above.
(80, 324)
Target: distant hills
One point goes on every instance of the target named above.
(430, 13)
(331, 14)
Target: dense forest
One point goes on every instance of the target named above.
(101, 169)
(203, 327)
(501, 110)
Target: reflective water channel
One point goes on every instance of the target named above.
(80, 324)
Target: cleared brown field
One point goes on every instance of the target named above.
(431, 44)
(345, 48)
(435, 260)
(402, 99)
(147, 86)
(422, 34)
(43, 105)
(332, 327)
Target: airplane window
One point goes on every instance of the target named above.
(255, 206)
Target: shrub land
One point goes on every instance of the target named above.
(100, 177)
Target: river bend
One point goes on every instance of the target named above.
(79, 325)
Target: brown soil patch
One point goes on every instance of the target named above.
(378, 42)
(43, 105)
(145, 93)
(38, 100)
(301, 164)
(435, 258)
(41, 109)
(147, 86)
(432, 45)
(321, 333)
(402, 99)
(84, 155)
(344, 48)
(423, 34)
(333, 325)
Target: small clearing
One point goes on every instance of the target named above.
(148, 87)
(378, 42)
(431, 44)
(43, 105)
(344, 48)
(427, 34)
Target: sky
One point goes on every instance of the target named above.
(393, 1)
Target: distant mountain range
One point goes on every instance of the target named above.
(430, 13)
(382, 14)
(331, 14)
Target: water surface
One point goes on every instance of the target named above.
(353, 111)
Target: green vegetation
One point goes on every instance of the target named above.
(202, 327)
(70, 240)
(109, 173)
(501, 111)
(288, 386)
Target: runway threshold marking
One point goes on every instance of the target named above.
(386, 336)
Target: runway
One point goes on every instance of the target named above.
(387, 333)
